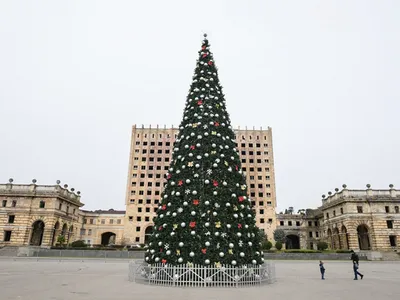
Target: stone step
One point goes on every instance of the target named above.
(390, 256)
(9, 251)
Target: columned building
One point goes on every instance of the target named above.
(348, 219)
(149, 159)
(38, 215)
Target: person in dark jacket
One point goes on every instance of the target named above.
(354, 257)
(322, 270)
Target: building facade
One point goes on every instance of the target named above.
(348, 219)
(149, 159)
(37, 215)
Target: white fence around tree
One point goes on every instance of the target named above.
(201, 276)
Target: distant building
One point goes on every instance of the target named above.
(149, 159)
(348, 219)
(37, 215)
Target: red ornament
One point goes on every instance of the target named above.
(160, 249)
(241, 198)
(192, 147)
(204, 250)
(237, 168)
(210, 63)
(239, 225)
(200, 102)
(169, 176)
(164, 207)
(203, 47)
(215, 183)
(180, 182)
(164, 261)
(216, 124)
(192, 224)
(195, 202)
(204, 55)
(160, 228)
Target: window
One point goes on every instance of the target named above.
(316, 223)
(341, 210)
(167, 144)
(141, 192)
(139, 209)
(11, 219)
(260, 194)
(396, 209)
(268, 194)
(139, 219)
(119, 221)
(156, 201)
(252, 194)
(91, 221)
(84, 220)
(137, 239)
(262, 221)
(261, 211)
(310, 223)
(4, 203)
(261, 203)
(316, 234)
(387, 210)
(297, 223)
(142, 175)
(60, 206)
(137, 228)
(269, 203)
(155, 209)
(258, 160)
(259, 186)
(359, 209)
(267, 177)
(42, 204)
(130, 218)
(252, 186)
(83, 231)
(389, 224)
(251, 145)
(290, 223)
(243, 160)
(251, 153)
(149, 184)
(258, 145)
(132, 201)
(7, 235)
(111, 221)
(327, 216)
(158, 176)
(103, 221)
(282, 223)
(147, 209)
(90, 232)
(269, 220)
(144, 151)
(392, 240)
(14, 203)
(334, 213)
(310, 234)
(148, 193)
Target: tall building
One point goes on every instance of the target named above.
(149, 159)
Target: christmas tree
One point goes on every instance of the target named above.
(205, 215)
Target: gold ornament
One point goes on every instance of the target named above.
(194, 125)
(190, 164)
(178, 252)
(189, 264)
(243, 187)
(218, 264)
(235, 208)
(217, 105)
(213, 152)
(226, 163)
(213, 132)
(218, 224)
(175, 226)
(230, 251)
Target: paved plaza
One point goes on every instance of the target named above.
(28, 279)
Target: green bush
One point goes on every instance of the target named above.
(322, 246)
(78, 244)
(343, 251)
(278, 245)
(267, 245)
(279, 236)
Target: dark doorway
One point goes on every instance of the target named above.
(37, 233)
(147, 234)
(292, 241)
(108, 238)
(392, 240)
(363, 237)
(345, 238)
(55, 233)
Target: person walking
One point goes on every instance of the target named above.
(322, 269)
(355, 269)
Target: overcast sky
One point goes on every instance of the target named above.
(76, 75)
